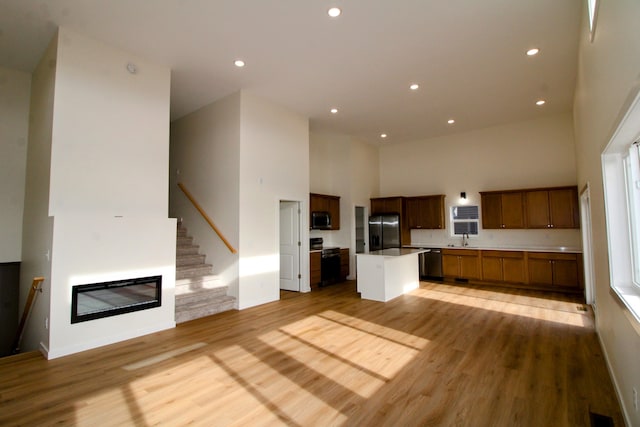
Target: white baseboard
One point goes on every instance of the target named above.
(102, 341)
(616, 387)
(44, 350)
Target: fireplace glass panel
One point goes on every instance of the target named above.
(97, 300)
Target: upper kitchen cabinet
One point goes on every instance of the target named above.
(552, 208)
(383, 205)
(502, 209)
(326, 203)
(425, 212)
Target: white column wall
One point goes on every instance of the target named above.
(608, 78)
(15, 87)
(108, 189)
(274, 166)
(37, 233)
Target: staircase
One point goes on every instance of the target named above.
(199, 293)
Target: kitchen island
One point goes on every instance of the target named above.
(387, 273)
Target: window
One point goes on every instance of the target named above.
(621, 179)
(631, 161)
(464, 219)
(593, 16)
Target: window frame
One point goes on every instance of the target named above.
(631, 167)
(618, 213)
(454, 221)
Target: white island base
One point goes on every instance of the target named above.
(387, 274)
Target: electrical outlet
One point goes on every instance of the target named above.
(635, 399)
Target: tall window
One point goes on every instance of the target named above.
(621, 178)
(464, 219)
(593, 16)
(632, 180)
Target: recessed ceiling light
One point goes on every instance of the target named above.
(451, 121)
(414, 86)
(238, 63)
(334, 110)
(540, 102)
(533, 51)
(383, 135)
(334, 12)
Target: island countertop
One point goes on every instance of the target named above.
(394, 252)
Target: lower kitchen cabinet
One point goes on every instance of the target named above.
(504, 266)
(461, 263)
(344, 264)
(315, 275)
(550, 271)
(555, 270)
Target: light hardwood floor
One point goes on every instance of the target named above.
(443, 355)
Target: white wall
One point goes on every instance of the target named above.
(608, 75)
(111, 129)
(205, 148)
(15, 89)
(107, 190)
(274, 166)
(530, 154)
(329, 173)
(37, 232)
(343, 166)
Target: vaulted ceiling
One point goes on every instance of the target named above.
(467, 56)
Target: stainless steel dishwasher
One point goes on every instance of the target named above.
(431, 264)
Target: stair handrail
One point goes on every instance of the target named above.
(35, 287)
(206, 217)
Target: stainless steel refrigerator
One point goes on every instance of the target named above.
(384, 231)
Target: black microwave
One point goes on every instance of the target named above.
(320, 221)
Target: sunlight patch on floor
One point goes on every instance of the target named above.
(329, 364)
(272, 390)
(516, 308)
(399, 337)
(114, 398)
(359, 355)
(162, 357)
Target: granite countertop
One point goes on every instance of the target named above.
(563, 249)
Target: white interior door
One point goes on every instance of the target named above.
(290, 246)
(587, 246)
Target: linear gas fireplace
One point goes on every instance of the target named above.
(97, 300)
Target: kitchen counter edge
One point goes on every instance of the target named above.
(558, 249)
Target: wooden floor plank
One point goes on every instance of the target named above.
(443, 355)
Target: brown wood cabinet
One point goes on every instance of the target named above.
(383, 205)
(461, 263)
(315, 277)
(326, 203)
(552, 208)
(344, 263)
(504, 266)
(557, 270)
(502, 209)
(425, 212)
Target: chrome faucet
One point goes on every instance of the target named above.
(465, 239)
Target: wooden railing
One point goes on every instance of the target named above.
(207, 218)
(35, 287)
